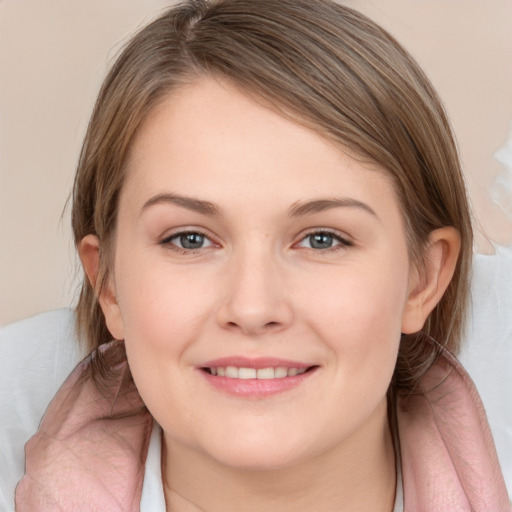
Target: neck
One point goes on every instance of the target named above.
(358, 474)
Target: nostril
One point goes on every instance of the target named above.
(268, 325)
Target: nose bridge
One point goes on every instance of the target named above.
(256, 300)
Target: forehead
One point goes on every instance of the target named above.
(217, 142)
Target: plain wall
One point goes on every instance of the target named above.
(54, 54)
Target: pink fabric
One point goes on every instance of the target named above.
(90, 450)
(449, 461)
(89, 453)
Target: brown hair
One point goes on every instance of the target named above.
(319, 63)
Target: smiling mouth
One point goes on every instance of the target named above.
(242, 373)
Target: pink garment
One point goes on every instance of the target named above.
(90, 450)
(449, 461)
(89, 453)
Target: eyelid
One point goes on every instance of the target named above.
(343, 239)
(166, 241)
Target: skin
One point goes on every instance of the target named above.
(259, 286)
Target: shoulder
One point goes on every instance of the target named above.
(448, 456)
(36, 356)
(487, 349)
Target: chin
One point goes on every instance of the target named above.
(258, 461)
(258, 455)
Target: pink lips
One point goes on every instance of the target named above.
(255, 387)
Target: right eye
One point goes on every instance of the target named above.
(324, 240)
(188, 240)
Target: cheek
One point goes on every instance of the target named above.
(160, 304)
(162, 314)
(360, 320)
(359, 300)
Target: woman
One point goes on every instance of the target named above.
(273, 224)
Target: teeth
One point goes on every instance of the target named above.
(246, 373)
(265, 373)
(281, 372)
(232, 372)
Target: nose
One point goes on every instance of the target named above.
(256, 300)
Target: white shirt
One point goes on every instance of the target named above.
(153, 498)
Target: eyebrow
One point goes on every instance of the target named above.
(196, 205)
(320, 205)
(297, 209)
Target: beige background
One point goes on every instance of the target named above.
(54, 53)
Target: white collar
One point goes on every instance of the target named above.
(153, 498)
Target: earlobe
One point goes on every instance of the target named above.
(427, 286)
(89, 251)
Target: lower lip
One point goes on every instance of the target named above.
(256, 388)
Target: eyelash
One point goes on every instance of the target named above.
(343, 243)
(168, 241)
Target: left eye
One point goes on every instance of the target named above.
(189, 240)
(322, 240)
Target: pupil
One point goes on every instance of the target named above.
(321, 241)
(191, 241)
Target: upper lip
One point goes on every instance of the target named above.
(257, 363)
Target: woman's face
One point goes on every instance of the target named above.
(261, 281)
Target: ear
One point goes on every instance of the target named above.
(89, 251)
(427, 286)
